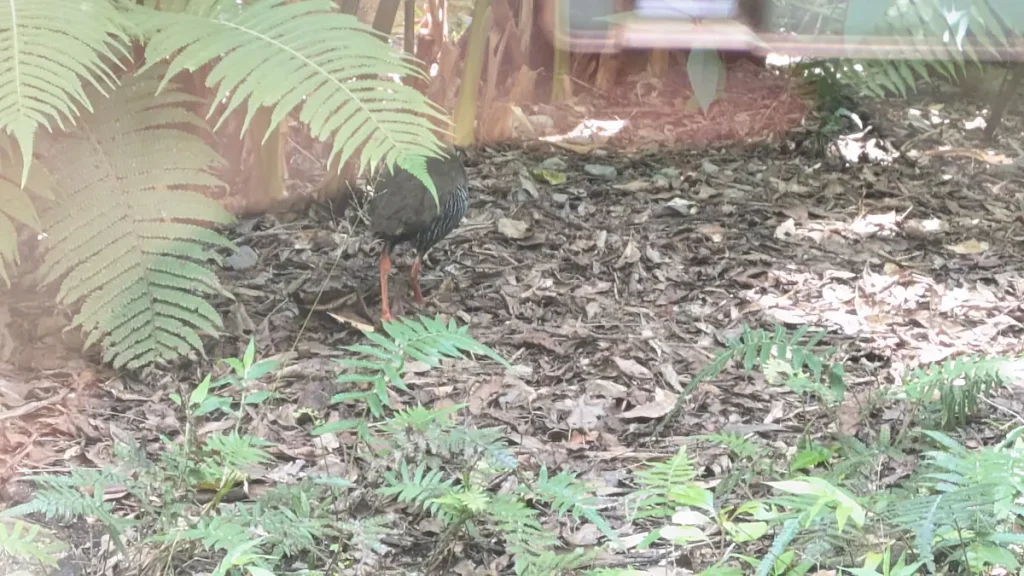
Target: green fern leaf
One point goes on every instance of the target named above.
(116, 238)
(16, 206)
(283, 54)
(21, 541)
(50, 49)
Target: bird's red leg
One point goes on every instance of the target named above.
(385, 269)
(415, 275)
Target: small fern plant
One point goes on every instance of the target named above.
(165, 489)
(450, 471)
(29, 543)
(794, 359)
(384, 359)
(953, 387)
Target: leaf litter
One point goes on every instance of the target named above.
(608, 289)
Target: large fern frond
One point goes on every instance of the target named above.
(117, 237)
(49, 50)
(281, 54)
(16, 206)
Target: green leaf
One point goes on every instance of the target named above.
(247, 358)
(336, 426)
(51, 50)
(287, 55)
(263, 367)
(257, 397)
(132, 271)
(200, 393)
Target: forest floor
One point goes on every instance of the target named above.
(607, 292)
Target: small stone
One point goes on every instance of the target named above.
(709, 168)
(559, 198)
(600, 171)
(554, 163)
(244, 259)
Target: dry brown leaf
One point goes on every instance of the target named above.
(969, 247)
(585, 413)
(633, 369)
(786, 229)
(635, 186)
(631, 255)
(606, 389)
(515, 229)
(713, 231)
(663, 403)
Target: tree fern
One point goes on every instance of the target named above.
(49, 49)
(282, 54)
(116, 236)
(16, 205)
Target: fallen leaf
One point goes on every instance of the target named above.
(631, 255)
(713, 231)
(634, 186)
(528, 185)
(786, 229)
(681, 205)
(515, 229)
(663, 403)
(553, 177)
(632, 368)
(969, 247)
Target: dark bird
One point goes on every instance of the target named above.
(403, 210)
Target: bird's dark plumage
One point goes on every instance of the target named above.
(403, 210)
